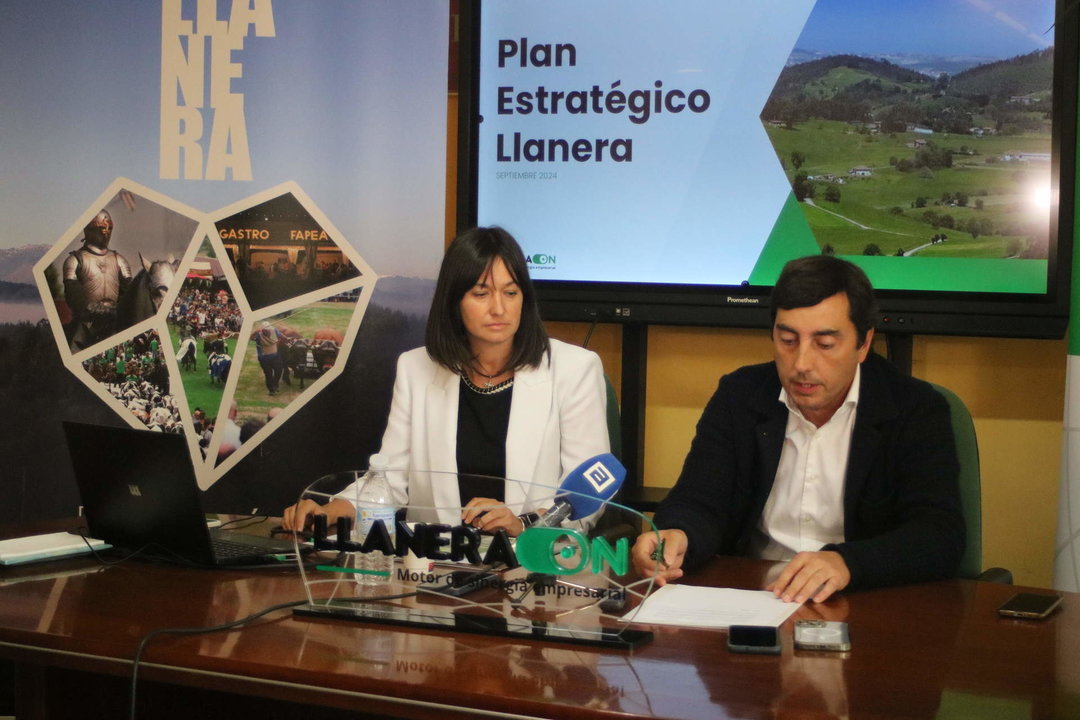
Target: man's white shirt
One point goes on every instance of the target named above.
(805, 509)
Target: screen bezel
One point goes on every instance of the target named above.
(930, 312)
(762, 636)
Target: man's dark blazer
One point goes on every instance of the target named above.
(902, 516)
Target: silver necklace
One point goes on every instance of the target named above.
(488, 388)
(484, 375)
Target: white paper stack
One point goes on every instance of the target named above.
(46, 547)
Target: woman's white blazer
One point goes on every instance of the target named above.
(558, 419)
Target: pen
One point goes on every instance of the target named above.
(658, 554)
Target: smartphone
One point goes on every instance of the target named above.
(822, 635)
(1031, 606)
(757, 639)
(461, 582)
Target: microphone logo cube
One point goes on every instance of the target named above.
(599, 477)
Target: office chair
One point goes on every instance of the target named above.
(615, 523)
(967, 451)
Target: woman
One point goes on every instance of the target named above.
(489, 394)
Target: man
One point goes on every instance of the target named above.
(270, 359)
(827, 458)
(94, 278)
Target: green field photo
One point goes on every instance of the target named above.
(887, 161)
(255, 405)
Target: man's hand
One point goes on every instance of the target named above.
(811, 576)
(664, 569)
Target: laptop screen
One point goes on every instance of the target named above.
(139, 489)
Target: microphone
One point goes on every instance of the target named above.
(584, 490)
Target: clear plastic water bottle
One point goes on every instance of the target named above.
(374, 501)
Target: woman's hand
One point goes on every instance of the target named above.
(298, 517)
(489, 516)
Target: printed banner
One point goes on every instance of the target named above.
(216, 211)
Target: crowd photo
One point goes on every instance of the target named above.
(134, 373)
(204, 322)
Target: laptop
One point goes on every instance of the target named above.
(139, 492)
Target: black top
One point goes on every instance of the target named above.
(481, 441)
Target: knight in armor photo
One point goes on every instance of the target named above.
(94, 279)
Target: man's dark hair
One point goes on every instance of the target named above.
(468, 259)
(806, 281)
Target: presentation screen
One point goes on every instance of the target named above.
(660, 162)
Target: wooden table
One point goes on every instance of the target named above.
(924, 651)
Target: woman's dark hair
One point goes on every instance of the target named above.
(468, 259)
(806, 281)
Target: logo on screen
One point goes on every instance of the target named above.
(599, 477)
(540, 259)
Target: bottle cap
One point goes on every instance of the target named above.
(378, 461)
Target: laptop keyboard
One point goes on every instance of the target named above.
(227, 549)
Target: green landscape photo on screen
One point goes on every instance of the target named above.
(929, 182)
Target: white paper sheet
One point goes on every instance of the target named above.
(710, 607)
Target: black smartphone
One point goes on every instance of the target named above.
(461, 582)
(757, 639)
(1030, 606)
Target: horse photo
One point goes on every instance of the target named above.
(147, 290)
